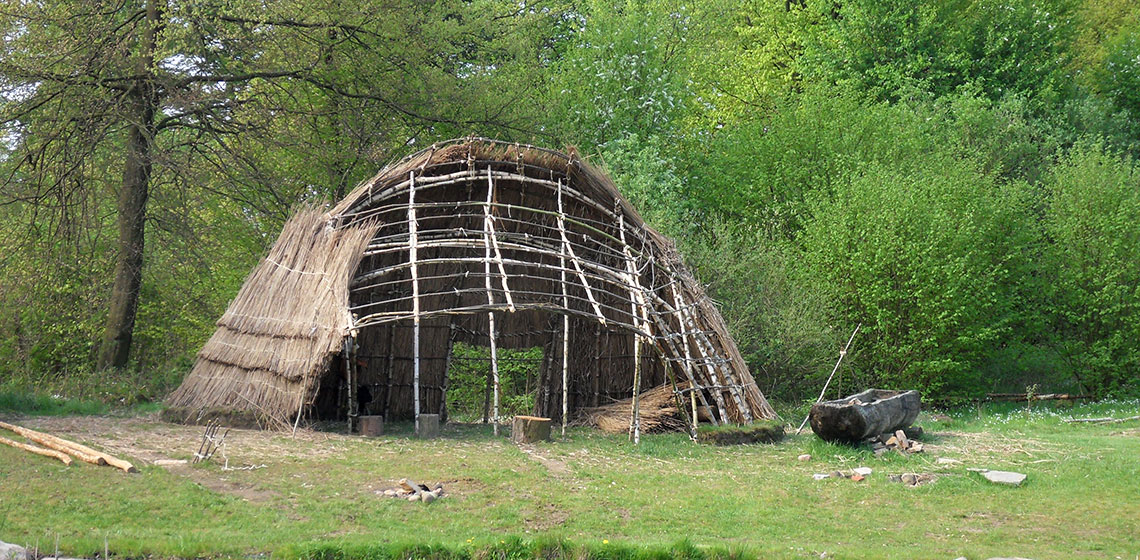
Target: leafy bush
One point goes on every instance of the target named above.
(932, 264)
(1094, 202)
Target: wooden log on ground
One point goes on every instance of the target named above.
(529, 429)
(37, 450)
(1022, 397)
(865, 414)
(371, 426)
(82, 452)
(1107, 420)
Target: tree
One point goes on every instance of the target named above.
(165, 87)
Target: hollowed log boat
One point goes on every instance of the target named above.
(863, 415)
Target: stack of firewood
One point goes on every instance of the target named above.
(897, 441)
(409, 490)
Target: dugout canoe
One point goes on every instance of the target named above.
(863, 415)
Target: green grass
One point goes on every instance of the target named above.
(594, 495)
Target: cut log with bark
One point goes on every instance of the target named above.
(37, 450)
(529, 429)
(82, 452)
(866, 414)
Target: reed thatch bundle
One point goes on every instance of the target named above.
(659, 413)
(288, 320)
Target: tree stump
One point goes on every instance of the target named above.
(371, 426)
(428, 426)
(529, 429)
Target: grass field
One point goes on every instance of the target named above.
(585, 495)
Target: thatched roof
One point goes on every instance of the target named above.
(513, 230)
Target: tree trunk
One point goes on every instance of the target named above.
(142, 102)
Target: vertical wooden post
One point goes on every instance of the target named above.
(390, 366)
(565, 320)
(487, 242)
(413, 246)
(446, 369)
(353, 412)
(693, 398)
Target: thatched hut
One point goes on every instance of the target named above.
(479, 241)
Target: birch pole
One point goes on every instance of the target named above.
(635, 414)
(488, 232)
(413, 242)
(565, 319)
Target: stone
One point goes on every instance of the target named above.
(863, 471)
(880, 451)
(414, 498)
(837, 474)
(12, 552)
(427, 497)
(1004, 477)
(427, 426)
(948, 461)
(804, 457)
(818, 476)
(915, 447)
(910, 479)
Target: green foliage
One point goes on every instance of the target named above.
(778, 322)
(469, 374)
(999, 47)
(1094, 201)
(931, 264)
(21, 402)
(621, 76)
(1120, 77)
(926, 168)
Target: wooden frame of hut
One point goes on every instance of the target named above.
(475, 240)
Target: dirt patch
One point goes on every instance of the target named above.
(146, 439)
(557, 467)
(222, 485)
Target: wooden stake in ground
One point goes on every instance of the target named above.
(70, 447)
(37, 450)
(842, 354)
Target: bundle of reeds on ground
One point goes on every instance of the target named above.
(659, 413)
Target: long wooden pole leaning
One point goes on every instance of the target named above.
(842, 355)
(37, 450)
(82, 452)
